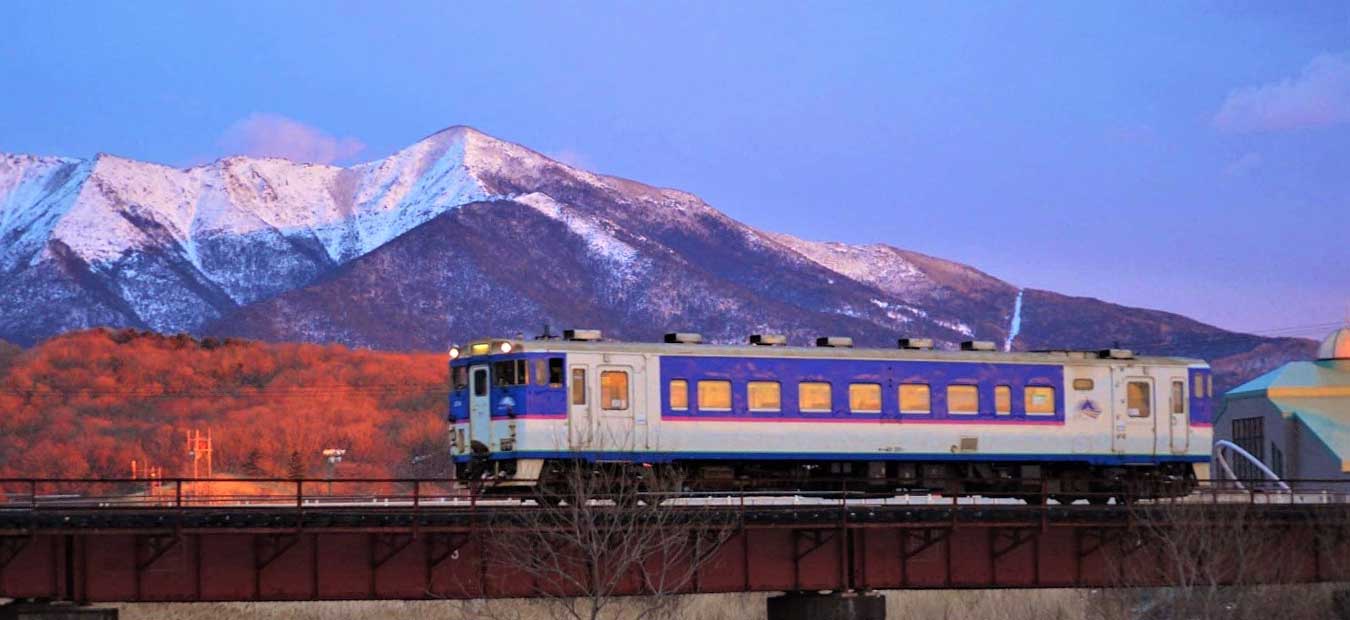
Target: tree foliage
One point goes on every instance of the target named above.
(88, 403)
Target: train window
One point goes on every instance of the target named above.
(1040, 400)
(813, 396)
(480, 382)
(555, 371)
(459, 378)
(1209, 385)
(510, 372)
(1138, 399)
(613, 390)
(679, 394)
(915, 398)
(1083, 384)
(864, 397)
(578, 386)
(1178, 397)
(714, 396)
(1198, 387)
(765, 395)
(963, 399)
(1002, 400)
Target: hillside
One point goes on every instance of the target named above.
(88, 403)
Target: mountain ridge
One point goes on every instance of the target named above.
(420, 248)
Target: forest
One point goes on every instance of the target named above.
(89, 403)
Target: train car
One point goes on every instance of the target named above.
(1077, 424)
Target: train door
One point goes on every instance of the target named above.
(580, 422)
(480, 405)
(619, 383)
(1178, 415)
(1135, 412)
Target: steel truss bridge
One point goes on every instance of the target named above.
(286, 540)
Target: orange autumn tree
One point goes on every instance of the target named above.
(88, 403)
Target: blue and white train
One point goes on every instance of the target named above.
(912, 419)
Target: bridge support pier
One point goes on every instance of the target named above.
(55, 611)
(830, 606)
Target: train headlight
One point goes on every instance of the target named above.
(454, 353)
(505, 347)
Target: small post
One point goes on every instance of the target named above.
(177, 492)
(299, 494)
(32, 493)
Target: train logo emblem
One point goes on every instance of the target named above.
(1089, 408)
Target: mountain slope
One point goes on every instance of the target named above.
(461, 235)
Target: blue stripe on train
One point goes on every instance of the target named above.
(841, 372)
(665, 457)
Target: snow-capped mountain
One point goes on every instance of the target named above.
(462, 234)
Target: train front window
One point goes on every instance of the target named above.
(459, 378)
(1139, 399)
(509, 373)
(555, 371)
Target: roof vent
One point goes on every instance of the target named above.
(684, 338)
(581, 335)
(978, 345)
(768, 340)
(834, 341)
(1116, 354)
(916, 343)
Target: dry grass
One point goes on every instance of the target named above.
(908, 605)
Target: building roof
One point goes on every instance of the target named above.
(1336, 346)
(1316, 393)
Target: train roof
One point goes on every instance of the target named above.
(1077, 357)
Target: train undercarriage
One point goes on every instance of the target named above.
(1063, 482)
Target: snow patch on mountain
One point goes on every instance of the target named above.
(879, 265)
(599, 240)
(1015, 324)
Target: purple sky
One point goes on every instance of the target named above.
(1194, 159)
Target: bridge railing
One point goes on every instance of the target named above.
(398, 493)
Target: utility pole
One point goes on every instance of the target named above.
(199, 452)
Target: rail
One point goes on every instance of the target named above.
(346, 494)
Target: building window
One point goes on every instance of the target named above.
(714, 396)
(1250, 435)
(578, 386)
(1040, 400)
(679, 394)
(1083, 384)
(614, 390)
(1276, 460)
(963, 399)
(765, 395)
(813, 396)
(1178, 397)
(1002, 400)
(915, 398)
(864, 397)
(1138, 399)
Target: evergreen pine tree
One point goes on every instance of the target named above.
(295, 467)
